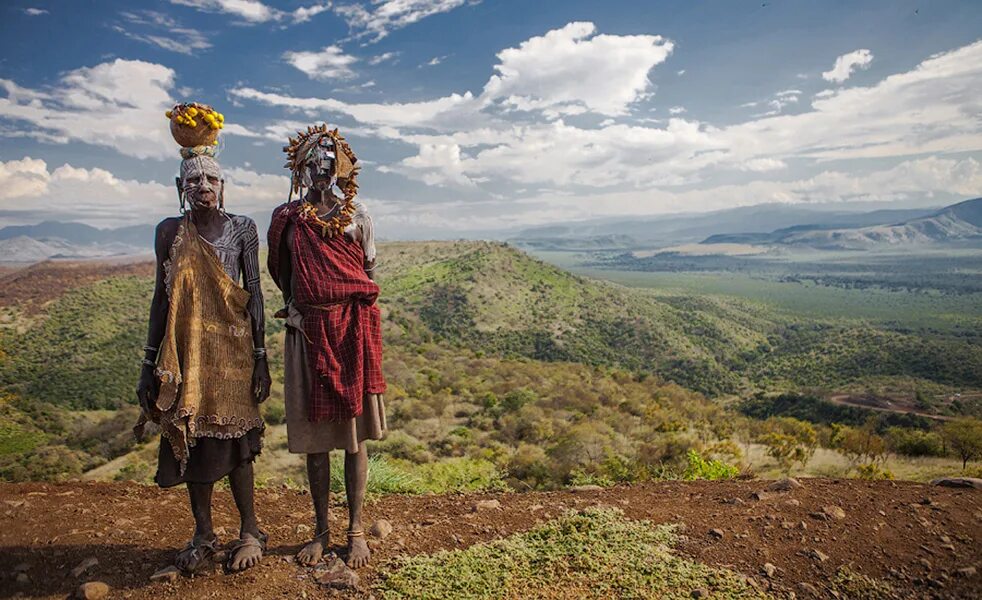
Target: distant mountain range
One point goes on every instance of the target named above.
(773, 224)
(669, 230)
(960, 221)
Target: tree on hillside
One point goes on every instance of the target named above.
(789, 441)
(859, 444)
(964, 437)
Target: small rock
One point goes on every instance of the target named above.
(793, 502)
(337, 575)
(945, 539)
(536, 507)
(700, 593)
(167, 574)
(380, 529)
(221, 531)
(959, 482)
(760, 496)
(802, 525)
(92, 590)
(486, 505)
(84, 566)
(925, 563)
(819, 555)
(769, 570)
(808, 588)
(787, 525)
(302, 528)
(784, 485)
(819, 516)
(716, 533)
(834, 511)
(965, 572)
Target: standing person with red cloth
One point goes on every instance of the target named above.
(322, 255)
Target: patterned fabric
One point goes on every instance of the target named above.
(205, 362)
(238, 251)
(341, 323)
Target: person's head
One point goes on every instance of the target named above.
(201, 183)
(320, 163)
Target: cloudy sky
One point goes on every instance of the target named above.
(470, 115)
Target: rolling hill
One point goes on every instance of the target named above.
(962, 221)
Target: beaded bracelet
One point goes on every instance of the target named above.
(258, 353)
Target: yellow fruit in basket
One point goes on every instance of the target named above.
(221, 117)
(192, 123)
(215, 143)
(168, 114)
(192, 112)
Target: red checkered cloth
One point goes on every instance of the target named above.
(342, 324)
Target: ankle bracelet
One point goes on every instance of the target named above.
(358, 533)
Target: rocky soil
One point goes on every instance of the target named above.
(920, 539)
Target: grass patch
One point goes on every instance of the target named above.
(594, 554)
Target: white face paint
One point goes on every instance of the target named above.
(201, 181)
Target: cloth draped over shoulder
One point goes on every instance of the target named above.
(342, 325)
(205, 362)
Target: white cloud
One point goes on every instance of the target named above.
(435, 61)
(35, 12)
(462, 140)
(254, 11)
(384, 57)
(676, 110)
(846, 64)
(30, 192)
(164, 32)
(571, 70)
(385, 16)
(117, 104)
(432, 113)
(25, 177)
(680, 72)
(329, 63)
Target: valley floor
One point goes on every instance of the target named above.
(910, 540)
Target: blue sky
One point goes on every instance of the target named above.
(477, 115)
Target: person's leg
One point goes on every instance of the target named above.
(202, 544)
(355, 481)
(242, 481)
(319, 477)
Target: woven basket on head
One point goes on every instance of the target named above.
(189, 137)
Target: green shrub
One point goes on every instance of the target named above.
(700, 468)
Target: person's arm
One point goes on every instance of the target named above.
(366, 230)
(148, 386)
(250, 275)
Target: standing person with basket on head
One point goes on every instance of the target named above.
(322, 256)
(205, 371)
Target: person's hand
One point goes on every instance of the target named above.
(147, 389)
(261, 381)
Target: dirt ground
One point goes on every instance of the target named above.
(914, 536)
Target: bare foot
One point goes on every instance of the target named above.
(312, 553)
(358, 553)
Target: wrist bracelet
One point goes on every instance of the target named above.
(146, 362)
(258, 353)
(150, 349)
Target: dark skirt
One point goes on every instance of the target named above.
(210, 460)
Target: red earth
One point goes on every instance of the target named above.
(916, 537)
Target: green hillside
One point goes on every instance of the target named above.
(492, 357)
